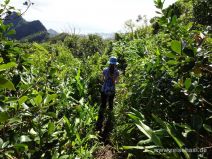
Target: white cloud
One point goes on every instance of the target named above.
(88, 15)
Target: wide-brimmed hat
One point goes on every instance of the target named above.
(113, 61)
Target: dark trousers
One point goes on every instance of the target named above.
(101, 116)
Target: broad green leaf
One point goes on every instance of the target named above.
(32, 102)
(1, 142)
(187, 83)
(33, 132)
(14, 120)
(49, 98)
(132, 116)
(38, 100)
(11, 32)
(146, 130)
(157, 52)
(169, 129)
(51, 128)
(92, 137)
(6, 2)
(138, 114)
(52, 114)
(207, 127)
(5, 144)
(7, 66)
(176, 46)
(1, 60)
(55, 155)
(3, 27)
(89, 137)
(189, 25)
(3, 117)
(172, 62)
(22, 100)
(4, 83)
(40, 48)
(149, 133)
(25, 138)
(170, 55)
(22, 147)
(173, 135)
(160, 132)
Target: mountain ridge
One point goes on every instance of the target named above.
(35, 30)
(25, 29)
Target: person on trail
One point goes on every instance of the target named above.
(110, 78)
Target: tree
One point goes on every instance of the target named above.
(202, 11)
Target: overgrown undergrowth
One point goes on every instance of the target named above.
(50, 92)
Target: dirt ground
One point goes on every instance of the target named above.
(105, 152)
(109, 152)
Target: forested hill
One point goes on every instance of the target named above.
(50, 92)
(31, 31)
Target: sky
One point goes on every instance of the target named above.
(87, 16)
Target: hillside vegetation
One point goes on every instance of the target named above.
(50, 91)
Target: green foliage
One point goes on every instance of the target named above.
(202, 12)
(83, 46)
(49, 92)
(43, 111)
(166, 76)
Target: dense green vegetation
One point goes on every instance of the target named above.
(50, 92)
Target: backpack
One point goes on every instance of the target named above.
(109, 86)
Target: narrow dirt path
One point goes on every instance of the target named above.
(105, 152)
